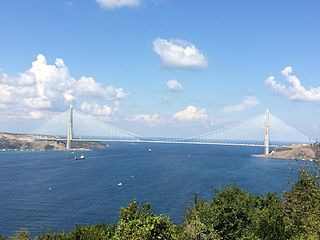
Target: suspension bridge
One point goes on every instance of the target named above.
(265, 131)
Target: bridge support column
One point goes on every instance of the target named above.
(266, 134)
(70, 129)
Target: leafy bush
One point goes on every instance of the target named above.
(22, 234)
(142, 224)
(234, 214)
(302, 206)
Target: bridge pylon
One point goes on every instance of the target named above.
(266, 134)
(70, 128)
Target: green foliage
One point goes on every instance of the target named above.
(268, 220)
(197, 223)
(134, 223)
(236, 214)
(302, 206)
(96, 232)
(22, 234)
(54, 236)
(101, 232)
(227, 215)
(142, 224)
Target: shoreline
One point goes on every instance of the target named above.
(43, 150)
(285, 158)
(27, 143)
(302, 152)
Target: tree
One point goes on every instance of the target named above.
(97, 232)
(142, 224)
(268, 219)
(236, 214)
(197, 222)
(302, 206)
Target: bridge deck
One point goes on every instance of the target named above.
(167, 142)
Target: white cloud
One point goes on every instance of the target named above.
(295, 90)
(46, 87)
(7, 94)
(96, 109)
(191, 113)
(179, 54)
(174, 86)
(152, 120)
(87, 86)
(36, 102)
(112, 4)
(246, 103)
(67, 95)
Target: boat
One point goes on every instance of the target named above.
(82, 157)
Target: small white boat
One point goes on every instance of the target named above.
(82, 157)
(119, 184)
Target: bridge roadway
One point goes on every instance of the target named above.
(254, 132)
(168, 141)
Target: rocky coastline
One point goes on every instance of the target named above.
(24, 142)
(310, 152)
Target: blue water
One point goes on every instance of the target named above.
(50, 190)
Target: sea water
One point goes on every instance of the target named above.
(52, 191)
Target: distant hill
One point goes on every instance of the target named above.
(9, 141)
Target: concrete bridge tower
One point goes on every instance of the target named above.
(70, 129)
(266, 134)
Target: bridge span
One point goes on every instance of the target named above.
(265, 131)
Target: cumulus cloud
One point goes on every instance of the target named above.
(96, 109)
(247, 103)
(46, 87)
(112, 4)
(179, 54)
(36, 102)
(87, 86)
(295, 90)
(174, 86)
(191, 113)
(152, 120)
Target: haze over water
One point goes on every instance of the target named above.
(52, 190)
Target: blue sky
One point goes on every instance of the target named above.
(160, 67)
